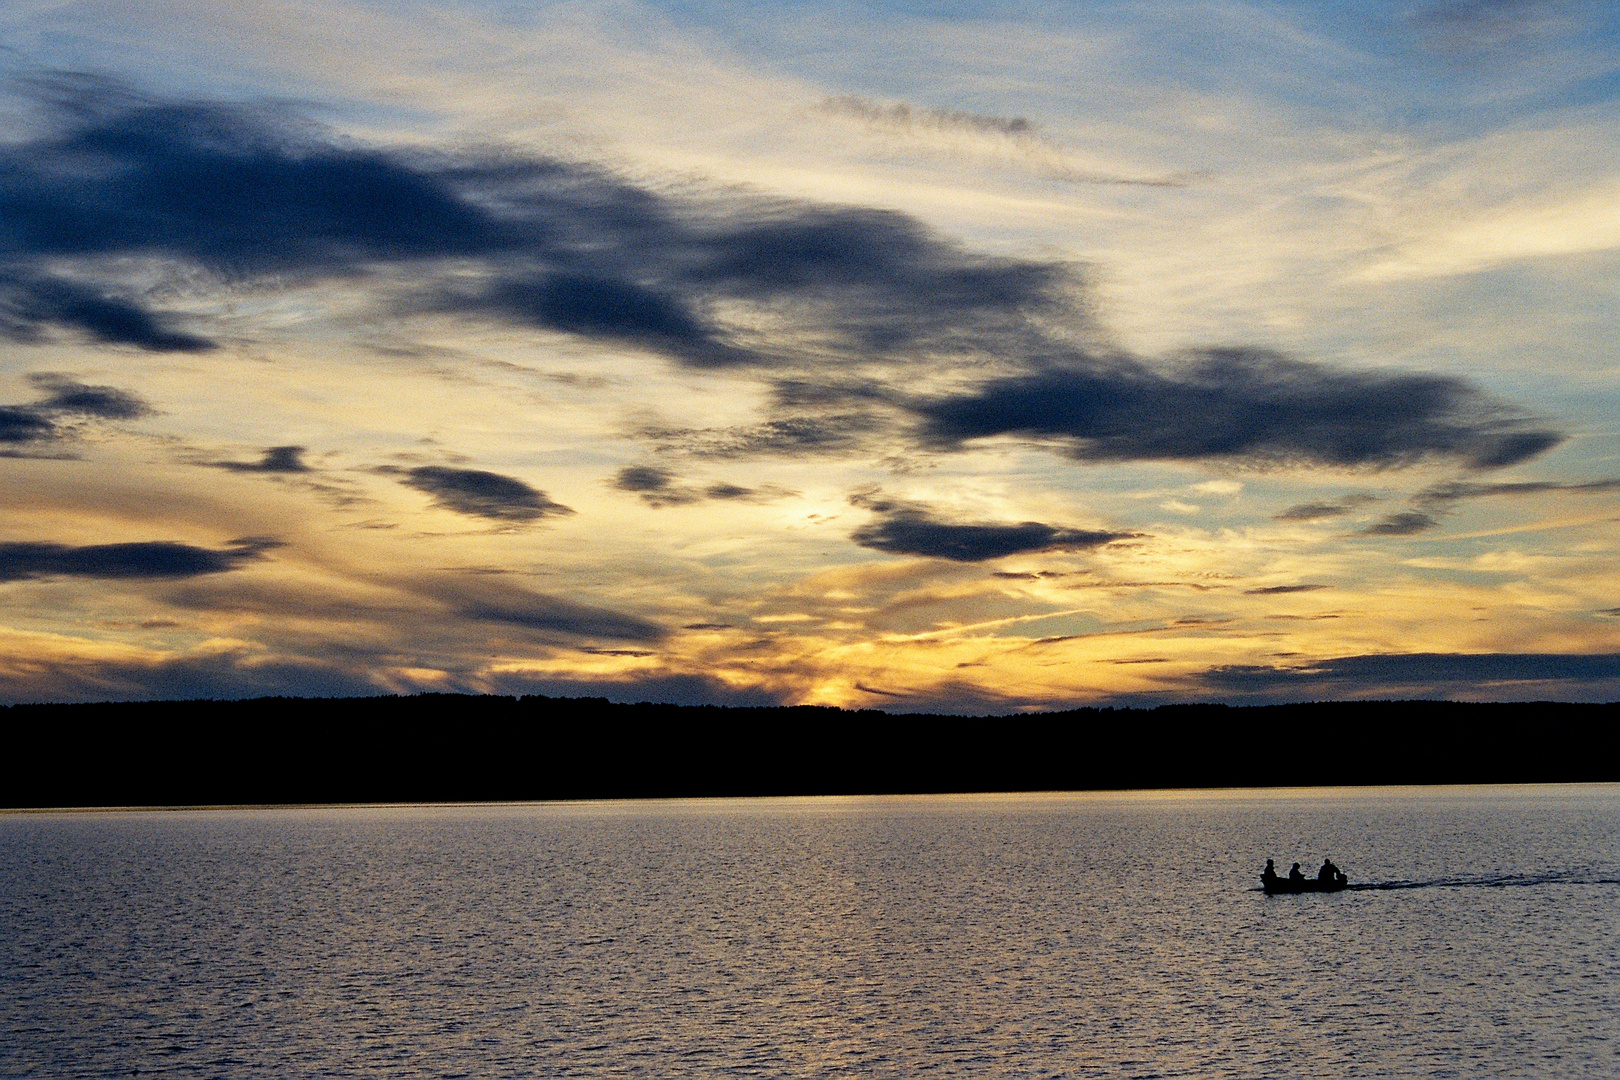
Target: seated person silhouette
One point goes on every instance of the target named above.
(1329, 872)
(1269, 874)
(1295, 875)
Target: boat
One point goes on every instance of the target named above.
(1282, 885)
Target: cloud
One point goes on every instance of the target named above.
(658, 487)
(483, 494)
(900, 114)
(28, 303)
(820, 433)
(1425, 674)
(1568, 223)
(1405, 523)
(847, 309)
(1443, 496)
(236, 190)
(1317, 511)
(1439, 499)
(1009, 138)
(1277, 590)
(249, 193)
(22, 423)
(492, 601)
(1240, 405)
(275, 459)
(36, 422)
(907, 528)
(733, 493)
(1312, 511)
(146, 559)
(68, 395)
(607, 309)
(1487, 25)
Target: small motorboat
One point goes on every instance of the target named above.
(1275, 886)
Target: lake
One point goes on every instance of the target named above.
(1107, 935)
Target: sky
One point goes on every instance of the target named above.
(946, 357)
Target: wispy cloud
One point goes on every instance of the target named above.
(659, 487)
(1015, 138)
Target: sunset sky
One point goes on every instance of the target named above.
(913, 356)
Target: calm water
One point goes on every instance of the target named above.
(1001, 937)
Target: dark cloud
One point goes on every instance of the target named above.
(1317, 511)
(555, 615)
(1405, 523)
(906, 528)
(37, 421)
(1425, 674)
(656, 486)
(23, 423)
(603, 308)
(894, 265)
(490, 600)
(1277, 590)
(859, 296)
(146, 559)
(483, 494)
(250, 193)
(68, 395)
(1312, 511)
(275, 459)
(1434, 502)
(235, 190)
(28, 303)
(1240, 405)
(730, 492)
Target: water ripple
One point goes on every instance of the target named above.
(1019, 937)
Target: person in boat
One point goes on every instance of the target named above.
(1268, 876)
(1329, 873)
(1296, 875)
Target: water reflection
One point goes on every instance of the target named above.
(1008, 936)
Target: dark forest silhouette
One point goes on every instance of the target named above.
(444, 747)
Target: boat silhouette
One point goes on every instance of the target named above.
(1282, 885)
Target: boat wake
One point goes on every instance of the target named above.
(1487, 881)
